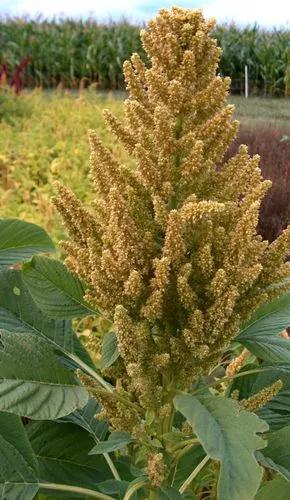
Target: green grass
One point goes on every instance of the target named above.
(43, 138)
(257, 110)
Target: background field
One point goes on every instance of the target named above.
(72, 53)
(43, 138)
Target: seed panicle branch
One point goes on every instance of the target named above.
(169, 250)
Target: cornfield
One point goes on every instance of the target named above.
(75, 52)
(68, 52)
(266, 53)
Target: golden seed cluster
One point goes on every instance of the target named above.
(261, 398)
(169, 249)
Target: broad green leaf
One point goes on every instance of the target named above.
(169, 494)
(276, 455)
(276, 412)
(54, 289)
(21, 240)
(113, 487)
(33, 382)
(261, 335)
(62, 453)
(86, 418)
(277, 489)
(227, 434)
(18, 313)
(244, 384)
(116, 441)
(18, 464)
(186, 464)
(110, 351)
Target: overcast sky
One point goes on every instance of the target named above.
(264, 12)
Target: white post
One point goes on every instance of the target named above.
(246, 82)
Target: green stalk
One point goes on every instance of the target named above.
(153, 495)
(91, 372)
(135, 487)
(194, 473)
(184, 443)
(117, 397)
(112, 466)
(228, 379)
(74, 489)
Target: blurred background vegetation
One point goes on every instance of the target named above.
(43, 138)
(71, 53)
(57, 76)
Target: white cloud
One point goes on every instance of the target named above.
(101, 9)
(263, 12)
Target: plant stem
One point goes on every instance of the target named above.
(227, 379)
(135, 487)
(123, 400)
(91, 372)
(112, 466)
(184, 443)
(180, 453)
(74, 489)
(194, 473)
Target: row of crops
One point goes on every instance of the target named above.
(69, 52)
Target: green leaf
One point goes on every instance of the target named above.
(116, 441)
(186, 464)
(169, 494)
(261, 334)
(277, 489)
(18, 313)
(276, 412)
(110, 351)
(18, 464)
(54, 289)
(277, 453)
(33, 382)
(113, 487)
(62, 453)
(227, 434)
(86, 418)
(21, 240)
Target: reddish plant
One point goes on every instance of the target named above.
(17, 81)
(273, 146)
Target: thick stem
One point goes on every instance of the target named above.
(74, 489)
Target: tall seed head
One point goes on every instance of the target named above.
(169, 249)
